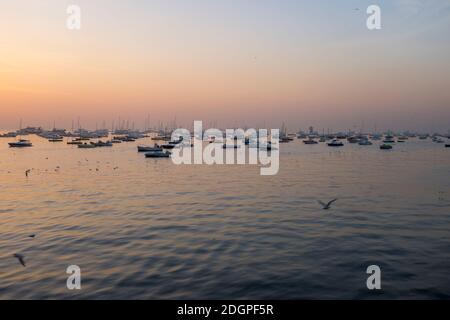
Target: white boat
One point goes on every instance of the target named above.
(20, 144)
(158, 154)
(335, 143)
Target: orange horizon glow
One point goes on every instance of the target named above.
(165, 63)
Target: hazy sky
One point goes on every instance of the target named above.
(258, 62)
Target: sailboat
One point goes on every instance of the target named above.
(21, 143)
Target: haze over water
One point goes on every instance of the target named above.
(150, 229)
(254, 63)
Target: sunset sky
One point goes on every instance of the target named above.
(255, 62)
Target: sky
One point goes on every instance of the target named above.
(227, 62)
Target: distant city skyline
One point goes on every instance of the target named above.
(254, 63)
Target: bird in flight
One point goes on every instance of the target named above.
(21, 258)
(326, 206)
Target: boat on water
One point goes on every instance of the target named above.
(353, 139)
(310, 140)
(376, 137)
(74, 142)
(116, 141)
(155, 148)
(389, 139)
(57, 139)
(438, 140)
(158, 154)
(286, 139)
(87, 146)
(176, 142)
(22, 143)
(365, 142)
(102, 144)
(423, 137)
(385, 147)
(9, 135)
(335, 143)
(168, 146)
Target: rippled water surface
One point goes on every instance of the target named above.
(148, 229)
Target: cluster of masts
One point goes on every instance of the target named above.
(388, 139)
(82, 137)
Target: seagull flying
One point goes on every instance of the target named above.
(21, 258)
(326, 206)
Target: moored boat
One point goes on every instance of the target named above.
(57, 139)
(102, 144)
(168, 146)
(155, 148)
(87, 146)
(365, 142)
(74, 142)
(335, 143)
(20, 144)
(310, 140)
(158, 154)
